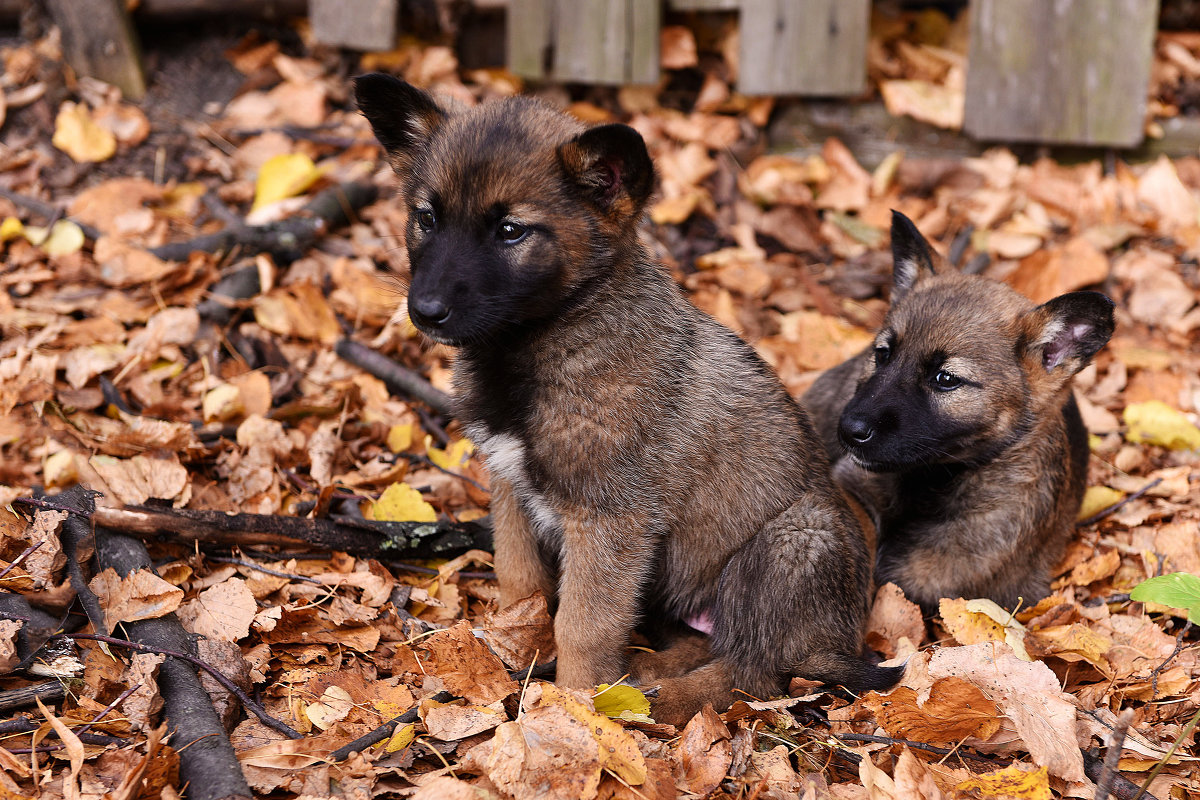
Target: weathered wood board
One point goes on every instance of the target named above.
(1070, 71)
(356, 24)
(804, 47)
(99, 40)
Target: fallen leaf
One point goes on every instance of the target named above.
(466, 666)
(1155, 422)
(1095, 568)
(135, 480)
(1014, 782)
(522, 632)
(1096, 499)
(981, 620)
(401, 502)
(622, 702)
(954, 710)
(222, 612)
(139, 595)
(705, 752)
(283, 176)
(451, 722)
(893, 618)
(334, 705)
(925, 101)
(78, 135)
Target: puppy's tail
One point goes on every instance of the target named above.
(856, 674)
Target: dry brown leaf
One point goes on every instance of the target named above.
(78, 135)
(522, 632)
(135, 480)
(222, 612)
(954, 710)
(1028, 693)
(466, 666)
(139, 595)
(677, 47)
(1048, 273)
(1097, 568)
(8, 645)
(142, 706)
(925, 101)
(444, 787)
(451, 721)
(893, 618)
(705, 752)
(913, 778)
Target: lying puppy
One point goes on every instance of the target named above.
(958, 429)
(646, 464)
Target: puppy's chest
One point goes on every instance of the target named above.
(508, 459)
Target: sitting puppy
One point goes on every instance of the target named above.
(646, 465)
(958, 430)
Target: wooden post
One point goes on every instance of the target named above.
(591, 41)
(705, 5)
(1069, 71)
(99, 40)
(805, 47)
(357, 24)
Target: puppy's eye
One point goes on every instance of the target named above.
(511, 232)
(946, 381)
(425, 219)
(882, 354)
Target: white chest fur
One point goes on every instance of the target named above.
(505, 457)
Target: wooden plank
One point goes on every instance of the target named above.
(528, 35)
(606, 41)
(356, 24)
(1068, 71)
(704, 5)
(804, 47)
(99, 40)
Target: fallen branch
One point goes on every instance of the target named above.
(287, 239)
(78, 544)
(1112, 759)
(29, 695)
(399, 379)
(18, 726)
(208, 765)
(358, 537)
(49, 212)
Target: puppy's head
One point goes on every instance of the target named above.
(963, 366)
(513, 207)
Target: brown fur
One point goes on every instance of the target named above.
(975, 487)
(647, 466)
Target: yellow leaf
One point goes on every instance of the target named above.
(622, 702)
(1096, 499)
(1010, 782)
(65, 238)
(981, 620)
(10, 229)
(1155, 422)
(400, 437)
(454, 457)
(401, 738)
(619, 752)
(222, 403)
(58, 470)
(77, 135)
(283, 176)
(401, 502)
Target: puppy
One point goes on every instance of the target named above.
(957, 429)
(646, 465)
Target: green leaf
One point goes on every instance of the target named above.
(1177, 590)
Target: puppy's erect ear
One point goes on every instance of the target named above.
(611, 165)
(911, 256)
(1068, 330)
(402, 116)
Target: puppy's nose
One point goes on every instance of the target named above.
(856, 430)
(429, 310)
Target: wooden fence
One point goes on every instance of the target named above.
(1055, 71)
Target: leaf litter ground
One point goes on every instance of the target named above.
(138, 376)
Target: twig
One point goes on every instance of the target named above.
(24, 554)
(385, 730)
(82, 733)
(241, 562)
(399, 379)
(28, 695)
(46, 210)
(1144, 789)
(1112, 759)
(120, 699)
(1178, 649)
(258, 711)
(1104, 512)
(18, 726)
(287, 239)
(941, 751)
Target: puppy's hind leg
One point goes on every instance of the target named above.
(793, 601)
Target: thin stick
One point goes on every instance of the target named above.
(1104, 512)
(28, 551)
(931, 748)
(398, 378)
(241, 562)
(1178, 649)
(1162, 762)
(1112, 759)
(258, 711)
(384, 731)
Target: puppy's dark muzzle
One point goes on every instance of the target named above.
(855, 431)
(428, 313)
